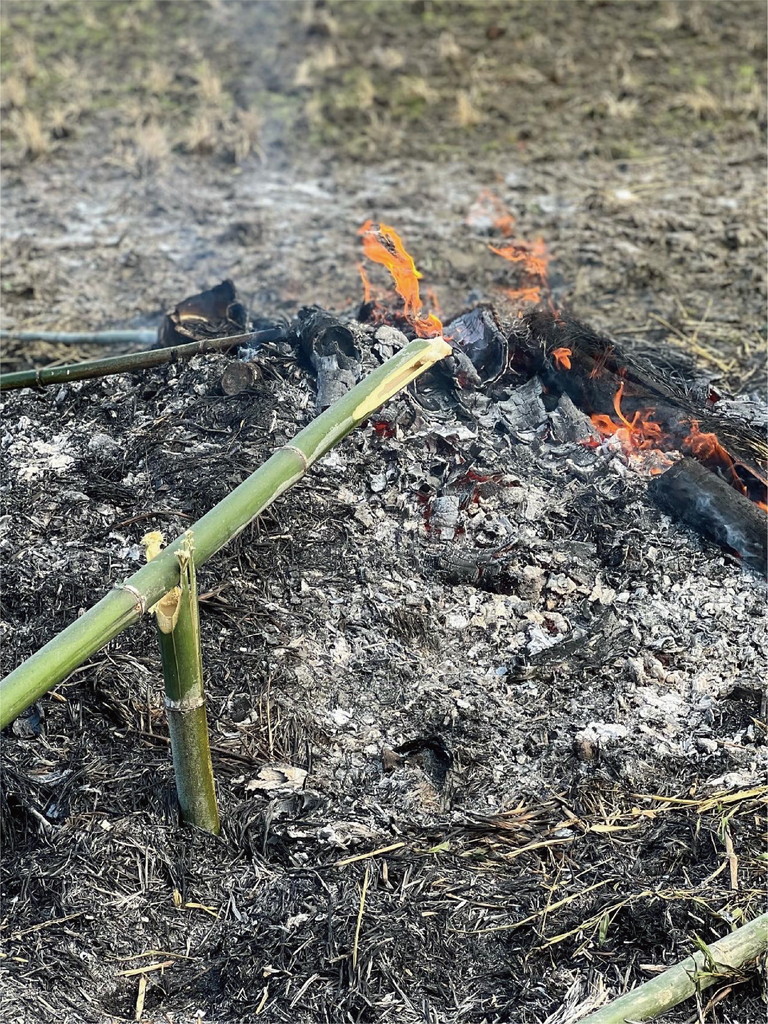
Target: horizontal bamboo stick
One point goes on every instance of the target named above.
(128, 601)
(721, 960)
(83, 337)
(129, 361)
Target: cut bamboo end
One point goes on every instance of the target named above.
(433, 351)
(178, 625)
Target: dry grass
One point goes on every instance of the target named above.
(14, 93)
(201, 134)
(210, 89)
(25, 59)
(467, 113)
(149, 113)
(158, 79)
(316, 64)
(152, 148)
(700, 101)
(30, 135)
(623, 108)
(244, 140)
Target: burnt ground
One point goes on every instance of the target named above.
(562, 767)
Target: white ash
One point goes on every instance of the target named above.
(575, 612)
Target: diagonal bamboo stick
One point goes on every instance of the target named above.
(127, 602)
(722, 959)
(129, 361)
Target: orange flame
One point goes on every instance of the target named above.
(643, 438)
(489, 209)
(562, 357)
(706, 446)
(382, 244)
(641, 433)
(533, 258)
(533, 255)
(366, 282)
(524, 295)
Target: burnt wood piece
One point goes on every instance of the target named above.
(215, 313)
(706, 503)
(598, 366)
(330, 348)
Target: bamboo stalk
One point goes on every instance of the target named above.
(128, 362)
(720, 960)
(127, 602)
(178, 632)
(83, 337)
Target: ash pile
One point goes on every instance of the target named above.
(487, 723)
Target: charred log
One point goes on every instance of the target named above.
(572, 358)
(706, 503)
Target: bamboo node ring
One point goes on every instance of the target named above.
(183, 706)
(141, 601)
(299, 452)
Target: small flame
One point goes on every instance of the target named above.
(488, 210)
(562, 358)
(382, 244)
(707, 448)
(638, 434)
(533, 255)
(652, 449)
(525, 296)
(366, 282)
(533, 258)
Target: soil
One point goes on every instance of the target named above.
(442, 801)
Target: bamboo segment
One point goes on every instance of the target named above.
(178, 632)
(128, 601)
(126, 363)
(723, 959)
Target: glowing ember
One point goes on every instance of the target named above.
(562, 357)
(383, 245)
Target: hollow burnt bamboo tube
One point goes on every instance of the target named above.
(178, 633)
(128, 601)
(129, 362)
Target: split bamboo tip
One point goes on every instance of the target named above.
(427, 352)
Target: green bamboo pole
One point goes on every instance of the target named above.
(83, 337)
(721, 960)
(127, 362)
(178, 632)
(128, 601)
